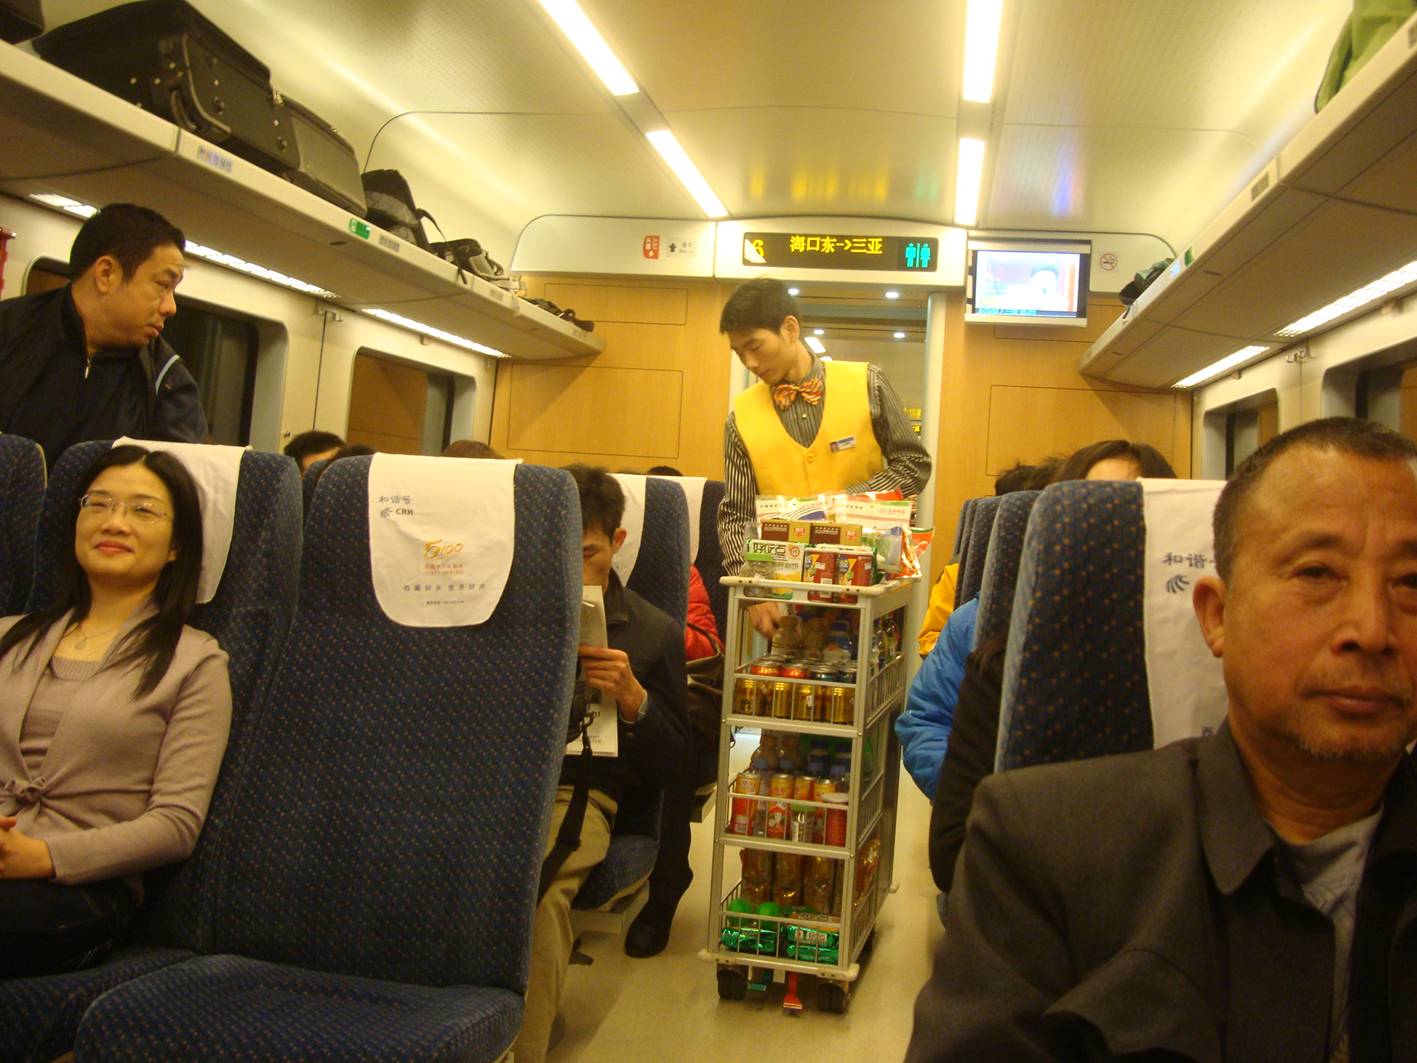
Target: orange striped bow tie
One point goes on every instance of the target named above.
(786, 394)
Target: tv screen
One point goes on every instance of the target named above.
(1022, 281)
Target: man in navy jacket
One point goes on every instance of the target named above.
(87, 361)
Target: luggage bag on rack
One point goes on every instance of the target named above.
(328, 166)
(166, 57)
(20, 20)
(391, 206)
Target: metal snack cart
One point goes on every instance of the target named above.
(748, 940)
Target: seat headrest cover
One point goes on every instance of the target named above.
(633, 522)
(216, 470)
(1185, 682)
(441, 537)
(693, 487)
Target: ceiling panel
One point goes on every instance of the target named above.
(812, 161)
(1163, 181)
(485, 176)
(900, 56)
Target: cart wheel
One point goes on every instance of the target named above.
(732, 984)
(831, 998)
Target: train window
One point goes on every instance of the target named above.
(397, 407)
(1248, 429)
(46, 275)
(219, 349)
(1389, 396)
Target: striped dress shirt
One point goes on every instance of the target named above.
(906, 470)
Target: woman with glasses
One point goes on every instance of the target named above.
(113, 718)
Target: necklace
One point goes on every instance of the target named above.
(83, 639)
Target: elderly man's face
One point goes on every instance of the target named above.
(1318, 623)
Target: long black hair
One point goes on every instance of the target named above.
(155, 639)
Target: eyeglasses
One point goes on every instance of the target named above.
(103, 505)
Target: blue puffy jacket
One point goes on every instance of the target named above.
(924, 727)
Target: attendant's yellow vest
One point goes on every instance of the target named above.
(844, 453)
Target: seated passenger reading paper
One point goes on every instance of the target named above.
(1251, 895)
(113, 719)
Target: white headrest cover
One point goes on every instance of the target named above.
(1185, 681)
(216, 470)
(633, 522)
(441, 537)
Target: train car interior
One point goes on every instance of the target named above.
(1190, 224)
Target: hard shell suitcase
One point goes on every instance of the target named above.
(20, 20)
(328, 166)
(166, 57)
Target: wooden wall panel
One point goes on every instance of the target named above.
(673, 416)
(1011, 393)
(613, 302)
(387, 402)
(1019, 417)
(605, 411)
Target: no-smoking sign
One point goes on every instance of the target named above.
(1108, 261)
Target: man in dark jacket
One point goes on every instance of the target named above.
(1247, 896)
(642, 671)
(87, 361)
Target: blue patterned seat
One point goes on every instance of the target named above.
(710, 559)
(996, 590)
(971, 562)
(660, 577)
(374, 895)
(1075, 681)
(961, 531)
(21, 495)
(250, 616)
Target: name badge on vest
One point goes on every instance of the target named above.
(844, 443)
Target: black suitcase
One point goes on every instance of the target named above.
(20, 20)
(328, 166)
(391, 206)
(166, 57)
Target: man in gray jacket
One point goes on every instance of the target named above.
(1248, 896)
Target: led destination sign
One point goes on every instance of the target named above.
(897, 254)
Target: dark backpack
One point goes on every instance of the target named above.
(1142, 281)
(391, 207)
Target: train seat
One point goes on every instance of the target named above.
(21, 495)
(996, 588)
(376, 892)
(976, 550)
(660, 575)
(249, 615)
(962, 527)
(710, 559)
(1075, 682)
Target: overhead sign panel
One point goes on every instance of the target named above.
(817, 250)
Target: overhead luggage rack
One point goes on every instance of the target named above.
(1335, 210)
(64, 136)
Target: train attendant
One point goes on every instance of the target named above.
(806, 427)
(113, 719)
(88, 361)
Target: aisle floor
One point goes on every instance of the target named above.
(666, 1008)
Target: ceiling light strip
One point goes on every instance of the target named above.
(969, 179)
(572, 21)
(981, 49)
(1369, 293)
(431, 332)
(815, 345)
(670, 150)
(1215, 369)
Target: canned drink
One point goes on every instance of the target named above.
(747, 812)
(745, 697)
(782, 701)
(840, 705)
(801, 788)
(803, 702)
(803, 823)
(781, 784)
(766, 666)
(836, 818)
(779, 813)
(793, 670)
